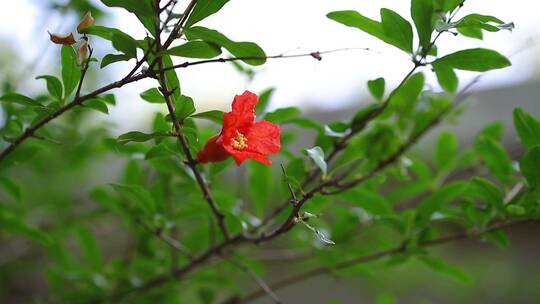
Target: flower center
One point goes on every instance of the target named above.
(239, 141)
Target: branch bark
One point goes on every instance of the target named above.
(177, 125)
(372, 257)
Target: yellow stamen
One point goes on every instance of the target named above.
(240, 141)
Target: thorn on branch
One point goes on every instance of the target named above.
(316, 55)
(294, 199)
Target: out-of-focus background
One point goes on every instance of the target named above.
(279, 26)
(326, 90)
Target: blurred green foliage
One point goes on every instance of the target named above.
(105, 219)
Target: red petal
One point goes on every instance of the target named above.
(264, 137)
(241, 155)
(213, 151)
(245, 103)
(242, 116)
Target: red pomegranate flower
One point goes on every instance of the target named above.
(242, 137)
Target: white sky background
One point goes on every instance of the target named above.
(290, 26)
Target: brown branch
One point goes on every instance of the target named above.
(232, 241)
(460, 97)
(30, 131)
(360, 126)
(190, 160)
(240, 238)
(176, 245)
(340, 145)
(83, 71)
(264, 287)
(374, 256)
(316, 55)
(176, 273)
(129, 78)
(289, 222)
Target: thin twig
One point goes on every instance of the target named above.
(340, 145)
(374, 256)
(234, 240)
(43, 138)
(176, 245)
(316, 55)
(264, 287)
(294, 200)
(84, 69)
(29, 132)
(177, 125)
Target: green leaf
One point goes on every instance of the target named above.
(125, 44)
(252, 53)
(397, 29)
(472, 25)
(364, 114)
(406, 96)
(12, 223)
(71, 74)
(385, 299)
(96, 104)
(494, 130)
(472, 32)
(139, 196)
(159, 151)
(372, 202)
(104, 32)
(498, 237)
(195, 49)
(143, 9)
(496, 159)
(184, 107)
(486, 191)
(138, 7)
(295, 172)
(528, 128)
(108, 99)
(450, 5)
(306, 123)
(20, 99)
(139, 136)
(530, 167)
(376, 88)
(112, 58)
(203, 9)
(317, 155)
(447, 77)
(479, 60)
(54, 86)
(446, 150)
(90, 250)
(153, 95)
(516, 210)
(214, 115)
(282, 115)
(10, 187)
(375, 28)
(438, 199)
(443, 267)
(173, 83)
(422, 13)
(261, 186)
(355, 19)
(264, 99)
